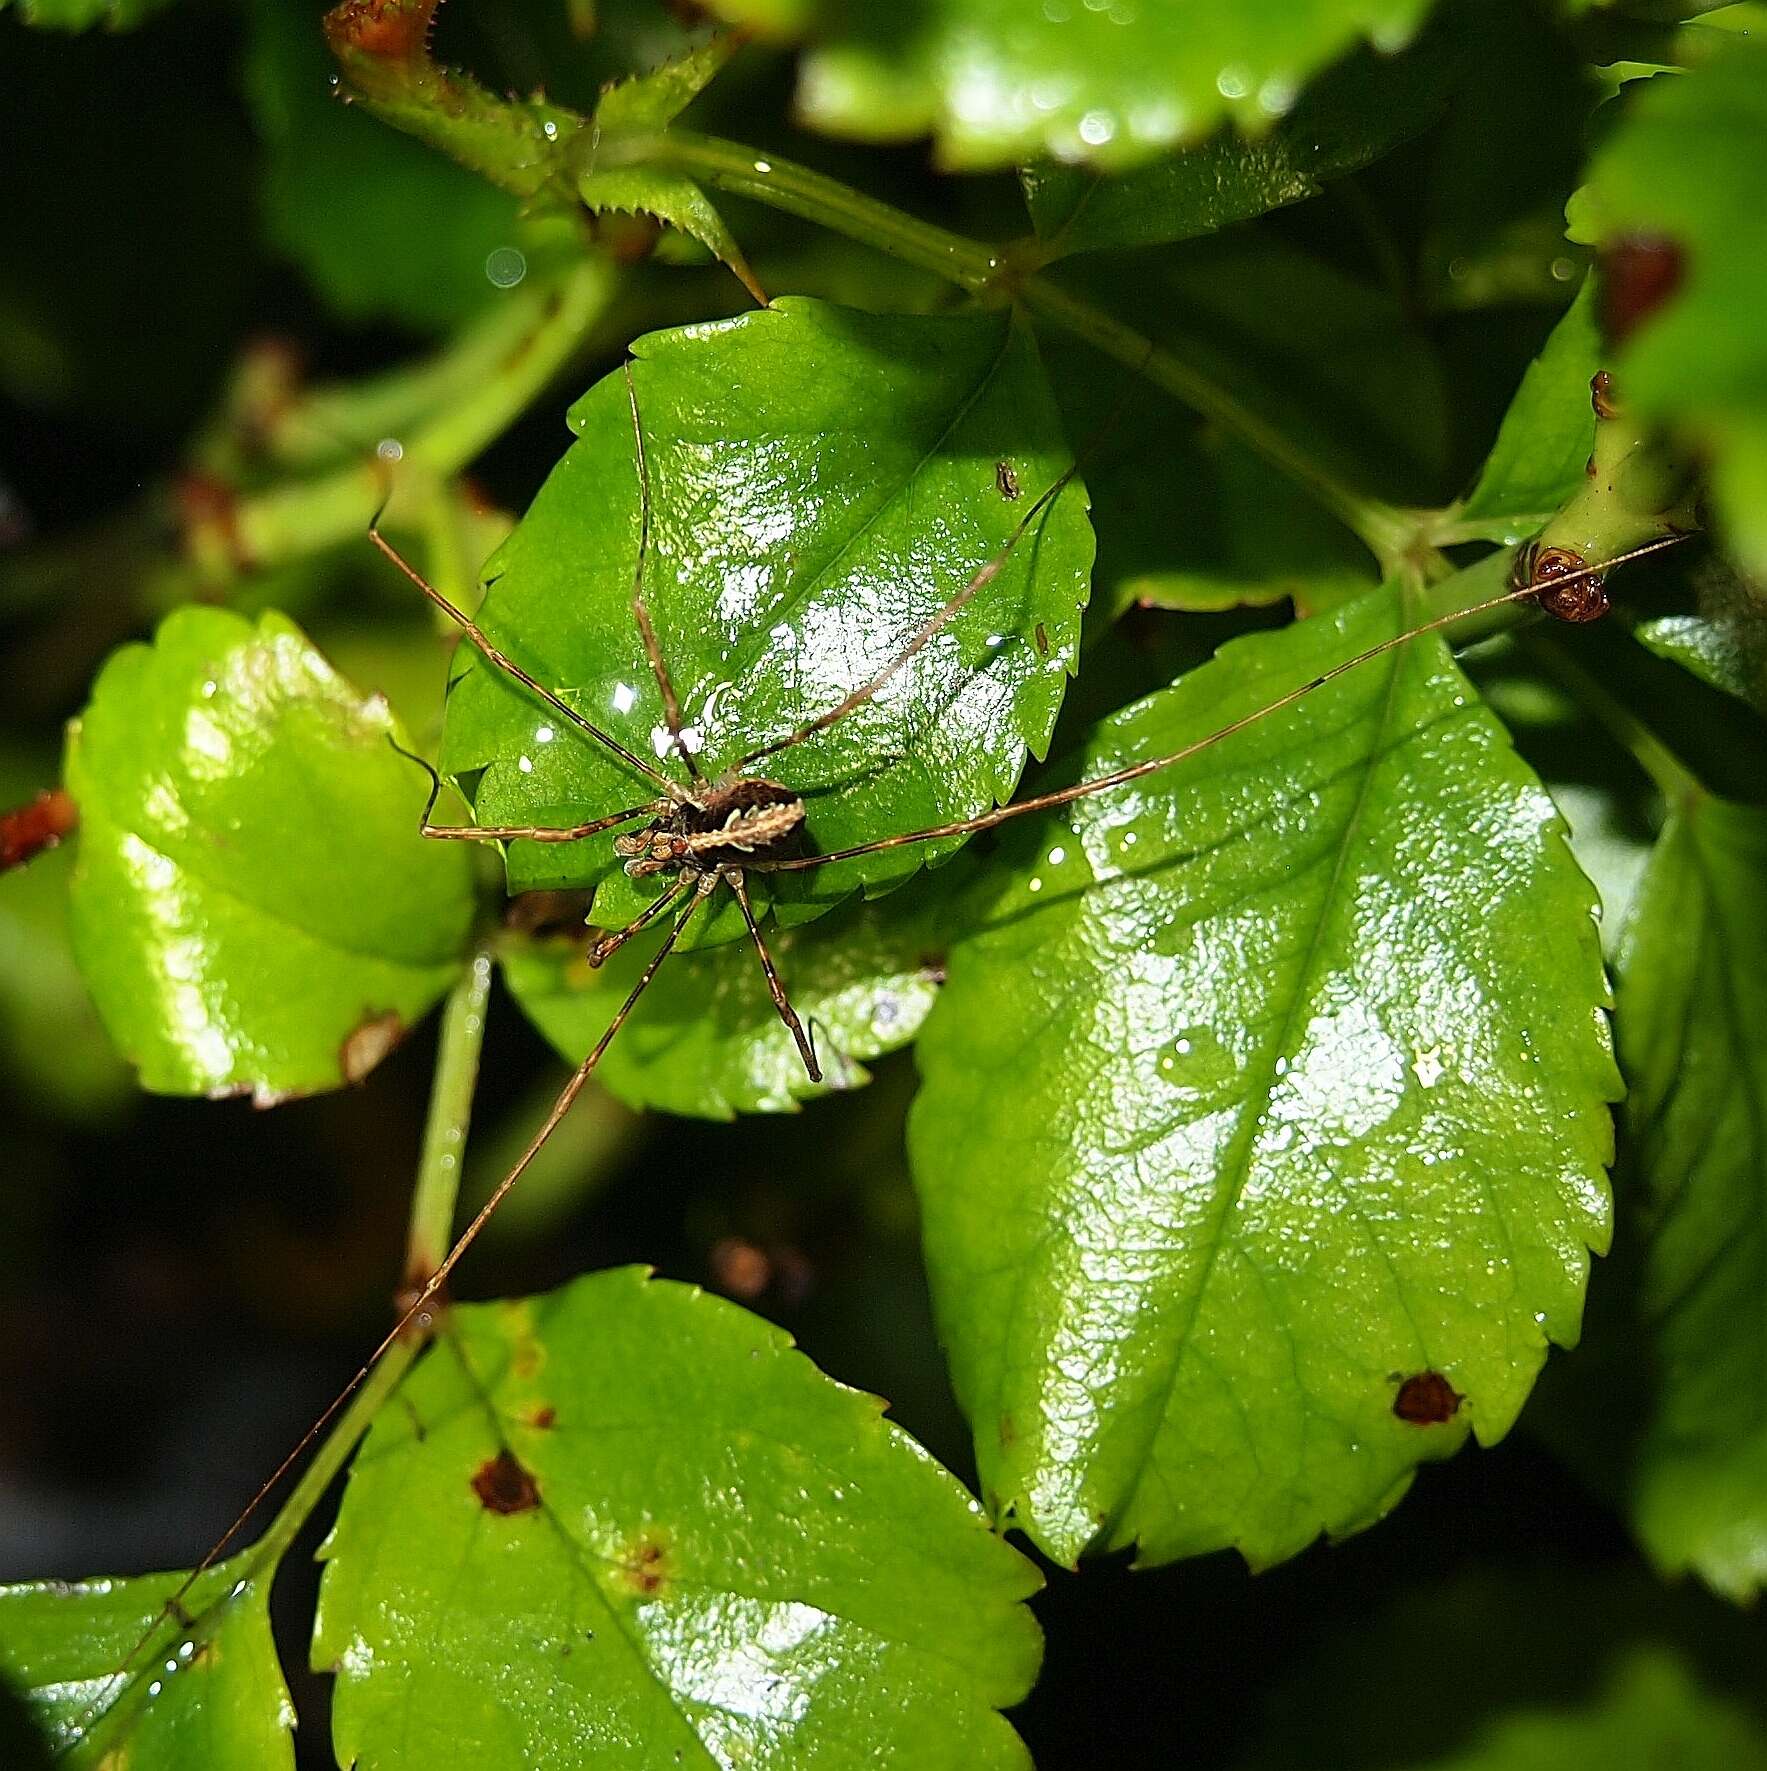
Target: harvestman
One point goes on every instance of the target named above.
(705, 833)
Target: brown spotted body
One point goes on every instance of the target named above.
(731, 824)
(1562, 581)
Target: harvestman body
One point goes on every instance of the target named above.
(704, 834)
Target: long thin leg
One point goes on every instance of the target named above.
(603, 949)
(942, 618)
(426, 1294)
(513, 832)
(508, 665)
(537, 832)
(652, 648)
(789, 1015)
(922, 637)
(1042, 802)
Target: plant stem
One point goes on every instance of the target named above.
(450, 1112)
(539, 336)
(432, 1216)
(983, 270)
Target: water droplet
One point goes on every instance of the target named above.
(1233, 82)
(1057, 855)
(506, 267)
(1036, 885)
(625, 697)
(1563, 269)
(208, 690)
(155, 1688)
(549, 129)
(1282, 1066)
(543, 734)
(1097, 127)
(390, 449)
(763, 166)
(1276, 96)
(525, 764)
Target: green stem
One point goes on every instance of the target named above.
(982, 269)
(432, 1214)
(450, 1112)
(540, 336)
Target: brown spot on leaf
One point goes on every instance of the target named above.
(1601, 395)
(368, 1044)
(1426, 1399)
(27, 831)
(1636, 274)
(1006, 479)
(504, 1486)
(645, 1564)
(543, 1418)
(1008, 1432)
(1042, 640)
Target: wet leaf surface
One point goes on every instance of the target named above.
(206, 1692)
(250, 888)
(697, 1550)
(996, 82)
(705, 1038)
(1270, 1080)
(823, 481)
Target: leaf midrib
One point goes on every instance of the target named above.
(1235, 1171)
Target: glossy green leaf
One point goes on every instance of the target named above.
(208, 1692)
(996, 82)
(1542, 449)
(253, 908)
(1723, 639)
(1553, 1669)
(1271, 1081)
(1684, 166)
(705, 1038)
(382, 226)
(1693, 1039)
(1350, 117)
(822, 482)
(627, 1523)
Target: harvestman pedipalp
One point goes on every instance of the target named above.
(706, 833)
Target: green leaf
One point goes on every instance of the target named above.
(208, 1692)
(1352, 116)
(650, 102)
(1693, 1040)
(82, 15)
(1542, 449)
(705, 1038)
(996, 82)
(630, 1517)
(1684, 166)
(383, 227)
(822, 482)
(50, 1036)
(253, 908)
(1723, 641)
(1272, 1081)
